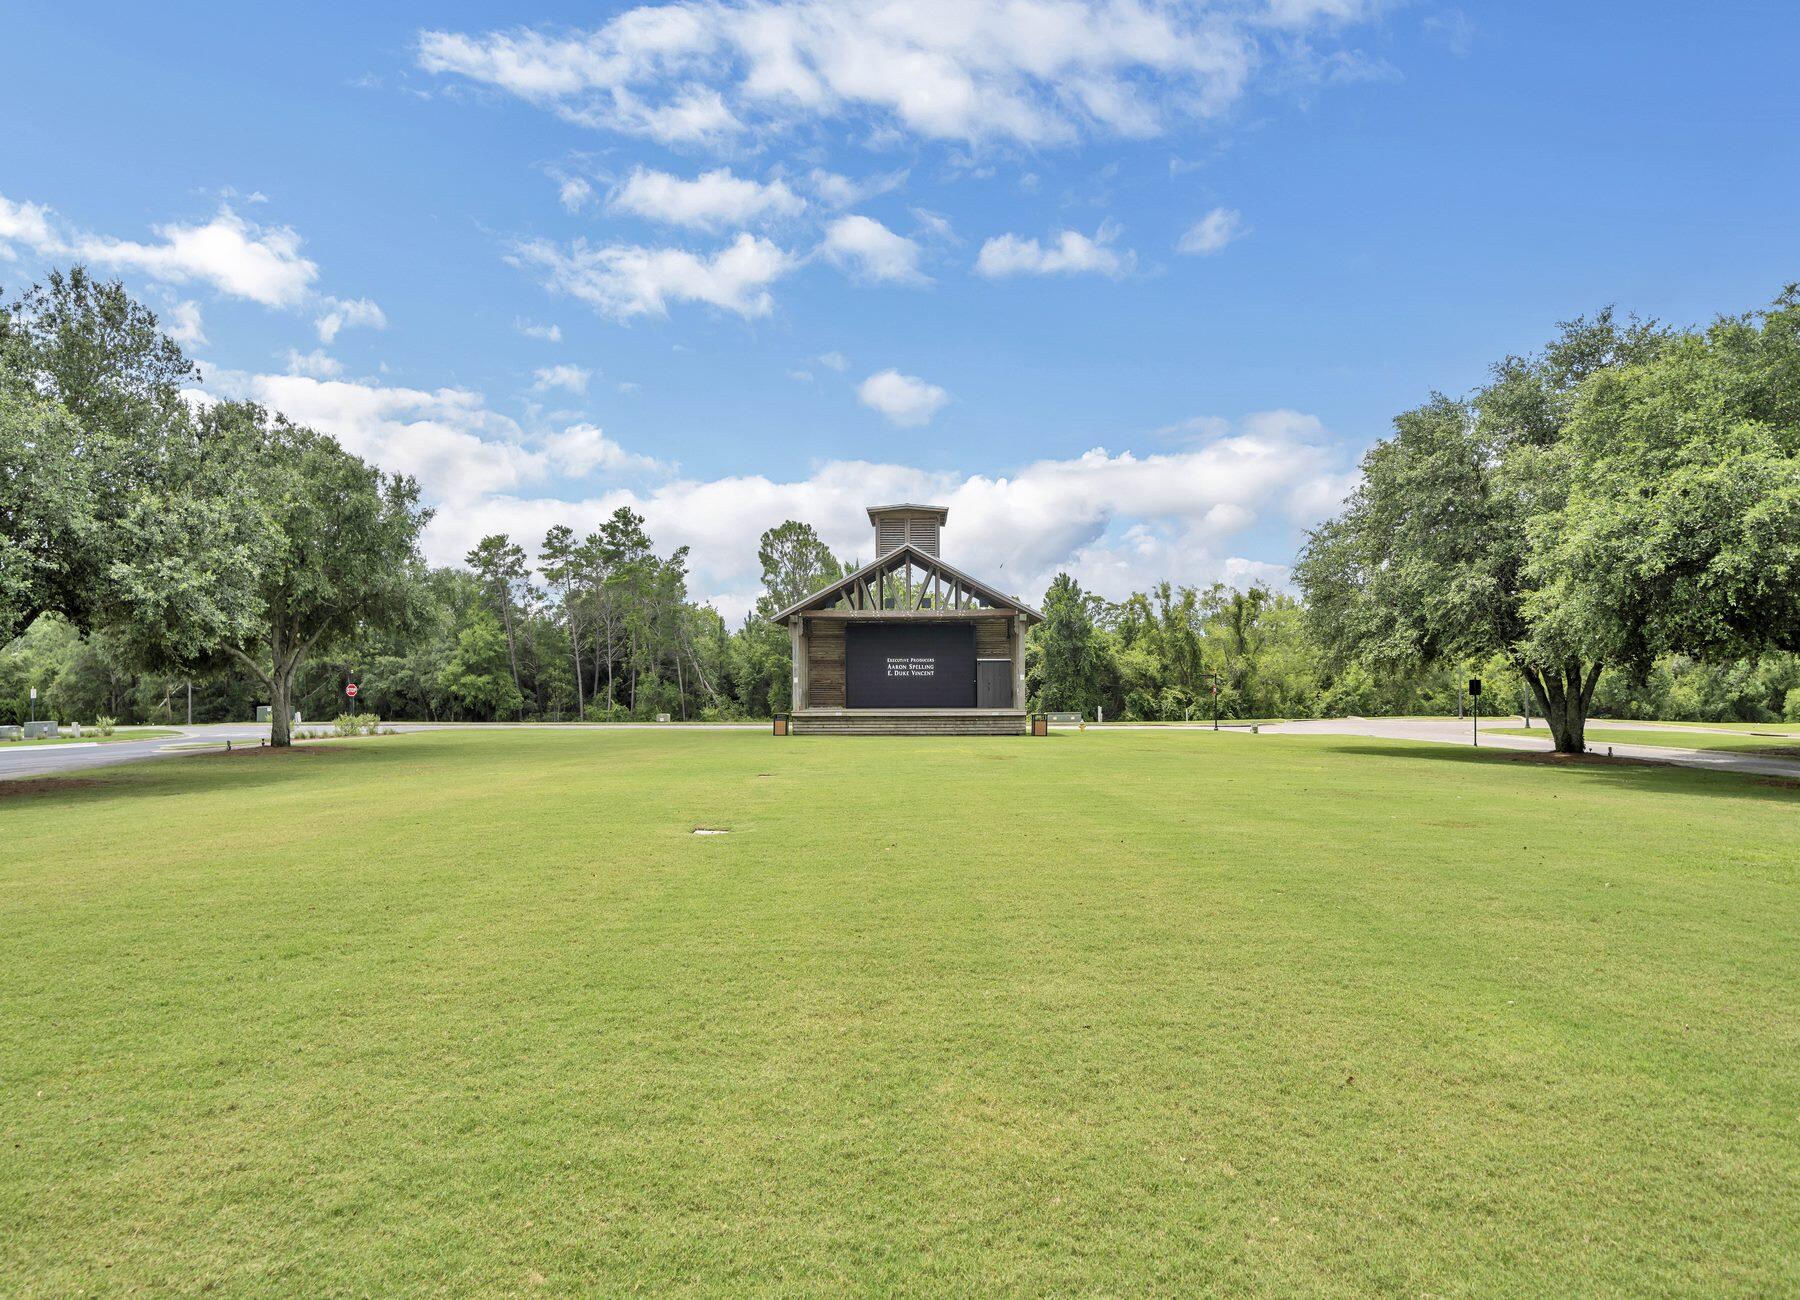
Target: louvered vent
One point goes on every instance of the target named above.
(897, 525)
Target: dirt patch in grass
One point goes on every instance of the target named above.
(1554, 759)
(28, 787)
(272, 751)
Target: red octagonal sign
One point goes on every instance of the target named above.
(350, 690)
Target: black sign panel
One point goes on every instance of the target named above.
(909, 666)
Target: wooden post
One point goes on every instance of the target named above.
(1018, 655)
(797, 628)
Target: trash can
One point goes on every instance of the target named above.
(781, 724)
(1040, 725)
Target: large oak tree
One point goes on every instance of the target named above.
(1626, 493)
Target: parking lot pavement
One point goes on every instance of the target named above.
(42, 760)
(1451, 731)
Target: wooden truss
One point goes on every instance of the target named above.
(907, 580)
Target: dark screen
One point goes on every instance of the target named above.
(909, 666)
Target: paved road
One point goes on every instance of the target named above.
(40, 760)
(1449, 731)
(44, 760)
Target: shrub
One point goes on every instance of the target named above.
(104, 725)
(1791, 710)
(358, 724)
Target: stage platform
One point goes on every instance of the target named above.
(909, 722)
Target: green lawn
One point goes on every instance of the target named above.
(1785, 744)
(1102, 1014)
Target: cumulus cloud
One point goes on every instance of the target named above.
(1212, 232)
(340, 313)
(710, 201)
(545, 333)
(833, 361)
(836, 191)
(905, 399)
(1116, 520)
(446, 438)
(573, 192)
(184, 325)
(1034, 72)
(581, 449)
(315, 363)
(239, 258)
(625, 280)
(870, 251)
(1070, 253)
(573, 379)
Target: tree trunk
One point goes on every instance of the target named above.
(1563, 698)
(575, 655)
(281, 708)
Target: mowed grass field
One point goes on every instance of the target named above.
(1129, 1013)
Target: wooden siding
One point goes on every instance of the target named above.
(993, 639)
(919, 722)
(825, 664)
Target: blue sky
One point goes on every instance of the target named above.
(1128, 286)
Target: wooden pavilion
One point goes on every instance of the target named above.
(908, 645)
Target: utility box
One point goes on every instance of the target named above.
(41, 731)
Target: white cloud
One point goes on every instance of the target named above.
(837, 191)
(341, 313)
(905, 399)
(710, 201)
(573, 379)
(833, 361)
(237, 257)
(446, 438)
(183, 324)
(573, 193)
(935, 225)
(315, 363)
(1072, 253)
(1213, 231)
(1118, 522)
(546, 333)
(1035, 72)
(581, 449)
(869, 250)
(623, 281)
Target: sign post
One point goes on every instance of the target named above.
(1475, 708)
(33, 717)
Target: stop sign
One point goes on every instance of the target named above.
(350, 690)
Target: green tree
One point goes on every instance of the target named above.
(795, 563)
(116, 510)
(1443, 553)
(500, 564)
(341, 550)
(478, 678)
(1075, 666)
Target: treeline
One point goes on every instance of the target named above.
(602, 630)
(161, 560)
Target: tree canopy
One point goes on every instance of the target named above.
(1624, 494)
